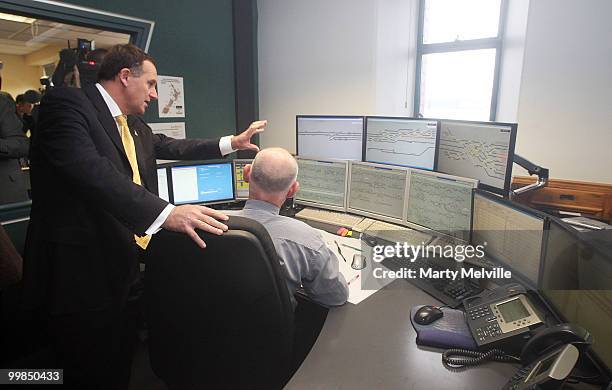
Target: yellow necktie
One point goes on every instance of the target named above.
(130, 151)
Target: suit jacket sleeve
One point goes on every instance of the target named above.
(13, 143)
(168, 148)
(65, 141)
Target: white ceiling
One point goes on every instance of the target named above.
(24, 38)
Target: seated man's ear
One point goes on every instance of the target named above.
(293, 189)
(246, 172)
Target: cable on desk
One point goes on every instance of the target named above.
(459, 358)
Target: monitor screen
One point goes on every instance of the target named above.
(202, 183)
(377, 190)
(162, 184)
(577, 282)
(510, 234)
(330, 137)
(480, 150)
(441, 202)
(322, 183)
(407, 142)
(242, 186)
(560, 260)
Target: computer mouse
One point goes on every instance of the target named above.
(427, 314)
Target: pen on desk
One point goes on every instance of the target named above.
(339, 251)
(352, 280)
(352, 247)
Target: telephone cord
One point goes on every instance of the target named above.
(458, 358)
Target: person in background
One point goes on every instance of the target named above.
(13, 146)
(26, 109)
(308, 262)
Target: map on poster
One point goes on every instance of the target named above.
(170, 129)
(171, 97)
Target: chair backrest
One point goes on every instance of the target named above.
(218, 317)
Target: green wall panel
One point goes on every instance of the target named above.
(194, 40)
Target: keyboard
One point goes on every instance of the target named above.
(450, 292)
(394, 233)
(329, 217)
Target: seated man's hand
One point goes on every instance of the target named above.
(187, 218)
(242, 141)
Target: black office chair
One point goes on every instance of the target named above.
(219, 317)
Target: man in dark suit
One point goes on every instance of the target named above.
(13, 145)
(94, 199)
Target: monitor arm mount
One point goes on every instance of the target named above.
(533, 169)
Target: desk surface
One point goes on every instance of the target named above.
(372, 346)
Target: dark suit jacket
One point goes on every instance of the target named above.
(13, 145)
(80, 253)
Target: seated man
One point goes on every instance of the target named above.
(305, 257)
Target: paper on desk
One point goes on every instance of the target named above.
(356, 293)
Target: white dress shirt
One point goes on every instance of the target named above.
(225, 146)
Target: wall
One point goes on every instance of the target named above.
(511, 66)
(315, 57)
(565, 107)
(44, 56)
(352, 57)
(192, 39)
(18, 76)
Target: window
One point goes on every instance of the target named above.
(458, 57)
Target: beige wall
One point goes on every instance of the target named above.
(564, 115)
(46, 55)
(17, 76)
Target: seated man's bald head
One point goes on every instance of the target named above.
(273, 171)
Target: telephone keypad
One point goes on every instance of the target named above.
(489, 331)
(479, 312)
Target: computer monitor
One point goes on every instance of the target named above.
(510, 233)
(210, 182)
(576, 281)
(560, 257)
(162, 184)
(242, 186)
(377, 191)
(329, 137)
(480, 150)
(441, 202)
(409, 142)
(322, 183)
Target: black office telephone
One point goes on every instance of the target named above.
(501, 318)
(548, 358)
(501, 321)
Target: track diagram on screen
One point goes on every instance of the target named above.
(481, 153)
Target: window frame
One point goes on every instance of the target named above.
(448, 47)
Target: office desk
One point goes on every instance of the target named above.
(372, 346)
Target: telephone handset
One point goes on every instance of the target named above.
(553, 337)
(549, 357)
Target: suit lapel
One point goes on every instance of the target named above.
(105, 118)
(110, 126)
